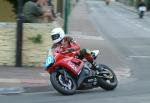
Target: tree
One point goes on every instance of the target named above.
(148, 4)
(15, 4)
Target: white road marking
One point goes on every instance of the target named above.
(139, 57)
(88, 37)
(123, 72)
(140, 46)
(123, 75)
(138, 25)
(79, 35)
(146, 29)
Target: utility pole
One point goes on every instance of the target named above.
(19, 34)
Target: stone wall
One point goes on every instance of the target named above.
(7, 43)
(36, 42)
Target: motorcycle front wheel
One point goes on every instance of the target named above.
(63, 82)
(107, 78)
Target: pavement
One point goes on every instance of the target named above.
(23, 80)
(29, 79)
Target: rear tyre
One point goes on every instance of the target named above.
(107, 79)
(141, 14)
(63, 84)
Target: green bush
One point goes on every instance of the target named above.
(36, 39)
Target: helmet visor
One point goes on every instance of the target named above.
(55, 36)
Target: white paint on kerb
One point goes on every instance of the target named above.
(3, 80)
(44, 74)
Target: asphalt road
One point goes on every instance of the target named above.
(129, 34)
(125, 44)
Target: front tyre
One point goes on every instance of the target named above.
(107, 78)
(63, 82)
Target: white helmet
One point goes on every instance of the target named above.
(57, 35)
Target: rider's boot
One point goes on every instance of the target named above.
(94, 65)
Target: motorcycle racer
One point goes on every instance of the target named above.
(70, 68)
(66, 44)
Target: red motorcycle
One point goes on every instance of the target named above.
(69, 73)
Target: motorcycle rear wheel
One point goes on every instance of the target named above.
(107, 81)
(65, 86)
(141, 14)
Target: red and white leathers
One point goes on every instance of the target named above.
(61, 48)
(66, 45)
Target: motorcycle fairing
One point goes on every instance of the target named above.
(72, 64)
(49, 61)
(85, 73)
